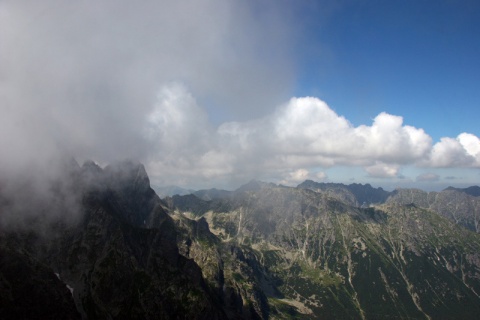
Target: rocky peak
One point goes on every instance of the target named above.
(91, 176)
(254, 185)
(91, 166)
(127, 175)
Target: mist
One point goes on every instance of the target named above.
(82, 78)
(201, 93)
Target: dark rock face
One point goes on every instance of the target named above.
(30, 290)
(121, 259)
(121, 271)
(130, 185)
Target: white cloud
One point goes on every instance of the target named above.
(295, 177)
(471, 144)
(292, 143)
(463, 151)
(383, 170)
(176, 120)
(305, 132)
(307, 126)
(389, 141)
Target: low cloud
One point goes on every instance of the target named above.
(93, 80)
(428, 177)
(321, 176)
(383, 170)
(81, 78)
(451, 178)
(295, 177)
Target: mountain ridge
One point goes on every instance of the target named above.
(263, 251)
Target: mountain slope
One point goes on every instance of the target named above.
(333, 260)
(456, 205)
(260, 252)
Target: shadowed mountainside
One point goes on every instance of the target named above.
(120, 259)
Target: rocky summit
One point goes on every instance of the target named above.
(105, 246)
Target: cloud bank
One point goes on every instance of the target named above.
(162, 82)
(80, 77)
(292, 143)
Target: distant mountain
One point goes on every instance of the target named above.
(473, 190)
(461, 206)
(316, 251)
(170, 191)
(355, 194)
(253, 185)
(212, 194)
(454, 204)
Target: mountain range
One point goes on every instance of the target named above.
(104, 245)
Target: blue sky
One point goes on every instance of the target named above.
(417, 59)
(213, 93)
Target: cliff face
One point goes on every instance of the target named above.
(260, 252)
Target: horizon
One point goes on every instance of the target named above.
(214, 93)
(192, 190)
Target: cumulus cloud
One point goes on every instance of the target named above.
(301, 136)
(306, 132)
(177, 120)
(463, 151)
(383, 170)
(471, 144)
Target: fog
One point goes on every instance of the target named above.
(198, 92)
